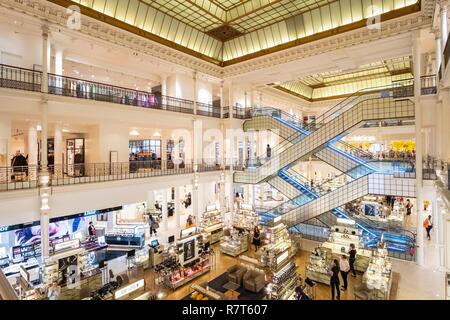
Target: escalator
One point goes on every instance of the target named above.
(372, 233)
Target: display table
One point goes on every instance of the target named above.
(378, 277)
(317, 268)
(235, 244)
(214, 232)
(185, 279)
(125, 240)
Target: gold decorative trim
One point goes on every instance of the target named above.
(325, 34)
(318, 36)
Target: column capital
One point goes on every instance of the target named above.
(45, 30)
(443, 4)
(437, 33)
(194, 75)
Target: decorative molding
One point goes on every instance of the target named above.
(389, 28)
(56, 17)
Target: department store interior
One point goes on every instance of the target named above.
(233, 150)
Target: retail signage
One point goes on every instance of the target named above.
(211, 207)
(78, 215)
(277, 219)
(246, 206)
(71, 244)
(129, 289)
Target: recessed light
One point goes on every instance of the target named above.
(39, 127)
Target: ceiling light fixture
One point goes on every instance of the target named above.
(134, 133)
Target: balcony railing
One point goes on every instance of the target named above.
(26, 177)
(20, 78)
(428, 85)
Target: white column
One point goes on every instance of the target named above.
(177, 213)
(260, 99)
(32, 144)
(252, 140)
(222, 100)
(58, 146)
(5, 137)
(164, 85)
(59, 57)
(245, 100)
(196, 200)
(45, 58)
(165, 215)
(443, 13)
(197, 142)
(438, 53)
(195, 91)
(419, 148)
(252, 99)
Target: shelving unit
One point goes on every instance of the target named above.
(276, 257)
(245, 218)
(211, 224)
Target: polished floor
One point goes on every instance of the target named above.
(223, 262)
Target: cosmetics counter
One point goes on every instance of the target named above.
(236, 243)
(378, 276)
(183, 262)
(339, 244)
(317, 268)
(212, 224)
(128, 237)
(245, 218)
(203, 292)
(276, 258)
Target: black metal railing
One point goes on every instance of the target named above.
(27, 177)
(20, 78)
(208, 110)
(428, 85)
(242, 113)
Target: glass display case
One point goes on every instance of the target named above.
(317, 268)
(236, 243)
(378, 276)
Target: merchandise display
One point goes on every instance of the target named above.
(236, 243)
(317, 268)
(212, 224)
(245, 218)
(183, 262)
(283, 283)
(339, 243)
(124, 238)
(378, 276)
(201, 293)
(276, 257)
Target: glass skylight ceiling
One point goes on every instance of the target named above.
(337, 83)
(263, 23)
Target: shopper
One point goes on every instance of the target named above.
(345, 269)
(408, 207)
(300, 294)
(92, 231)
(256, 238)
(334, 280)
(352, 259)
(54, 291)
(153, 224)
(428, 226)
(268, 151)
